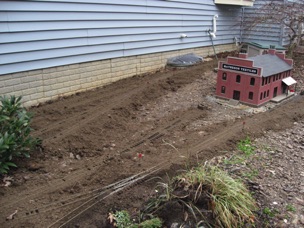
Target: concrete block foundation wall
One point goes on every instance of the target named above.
(39, 86)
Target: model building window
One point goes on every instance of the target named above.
(238, 78)
(261, 96)
(224, 76)
(250, 96)
(223, 90)
(252, 81)
(269, 79)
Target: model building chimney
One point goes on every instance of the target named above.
(272, 49)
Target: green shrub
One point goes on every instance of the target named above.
(246, 146)
(228, 199)
(15, 139)
(151, 223)
(123, 220)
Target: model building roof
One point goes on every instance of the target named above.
(271, 64)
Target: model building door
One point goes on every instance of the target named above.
(236, 95)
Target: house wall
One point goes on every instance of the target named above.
(268, 33)
(81, 44)
(41, 34)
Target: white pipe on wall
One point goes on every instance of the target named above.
(214, 26)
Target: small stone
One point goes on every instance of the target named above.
(34, 167)
(78, 157)
(72, 156)
(174, 225)
(26, 178)
(302, 219)
(289, 146)
(285, 220)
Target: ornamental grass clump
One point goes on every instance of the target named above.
(228, 199)
(15, 139)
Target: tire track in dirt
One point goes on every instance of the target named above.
(225, 134)
(96, 166)
(254, 125)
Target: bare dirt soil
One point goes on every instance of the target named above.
(90, 161)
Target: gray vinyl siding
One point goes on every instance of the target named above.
(41, 34)
(268, 33)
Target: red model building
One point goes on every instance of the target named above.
(255, 80)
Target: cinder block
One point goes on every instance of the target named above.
(49, 70)
(74, 66)
(12, 82)
(50, 94)
(75, 88)
(50, 81)
(40, 89)
(35, 72)
(32, 78)
(29, 91)
(36, 96)
(35, 84)
(62, 68)
(5, 77)
(30, 103)
(20, 75)
(63, 79)
(21, 86)
(6, 90)
(64, 90)
(26, 98)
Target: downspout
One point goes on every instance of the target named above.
(212, 34)
(242, 24)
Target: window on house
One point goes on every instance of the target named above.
(252, 81)
(224, 76)
(238, 78)
(277, 77)
(264, 94)
(273, 78)
(250, 96)
(269, 78)
(261, 96)
(263, 81)
(223, 89)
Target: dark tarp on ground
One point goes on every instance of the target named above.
(184, 60)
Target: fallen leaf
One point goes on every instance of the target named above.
(7, 181)
(11, 216)
(111, 218)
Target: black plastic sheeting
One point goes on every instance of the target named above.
(184, 60)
